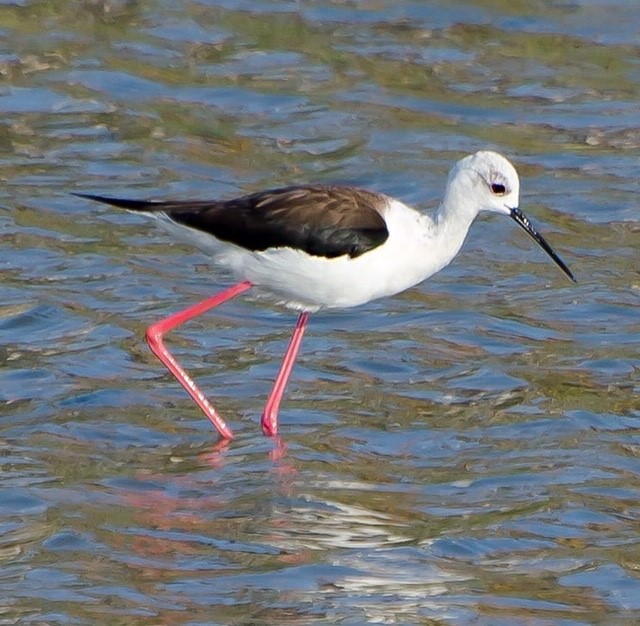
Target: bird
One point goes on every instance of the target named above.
(325, 246)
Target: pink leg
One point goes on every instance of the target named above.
(270, 415)
(156, 332)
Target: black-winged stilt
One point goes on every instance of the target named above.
(324, 246)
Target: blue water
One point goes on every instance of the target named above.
(464, 453)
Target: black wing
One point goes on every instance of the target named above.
(322, 220)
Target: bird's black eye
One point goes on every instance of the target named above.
(498, 189)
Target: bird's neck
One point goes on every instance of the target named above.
(452, 222)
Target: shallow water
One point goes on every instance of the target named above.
(464, 453)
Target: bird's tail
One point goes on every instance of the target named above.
(144, 206)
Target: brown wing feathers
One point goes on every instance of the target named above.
(327, 221)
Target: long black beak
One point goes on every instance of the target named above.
(522, 220)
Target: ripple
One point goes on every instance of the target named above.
(466, 452)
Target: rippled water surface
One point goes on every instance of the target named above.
(464, 453)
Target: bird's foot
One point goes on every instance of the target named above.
(269, 423)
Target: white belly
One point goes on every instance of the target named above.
(307, 282)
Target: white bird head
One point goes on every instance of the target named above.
(486, 181)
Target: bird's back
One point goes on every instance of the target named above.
(321, 220)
